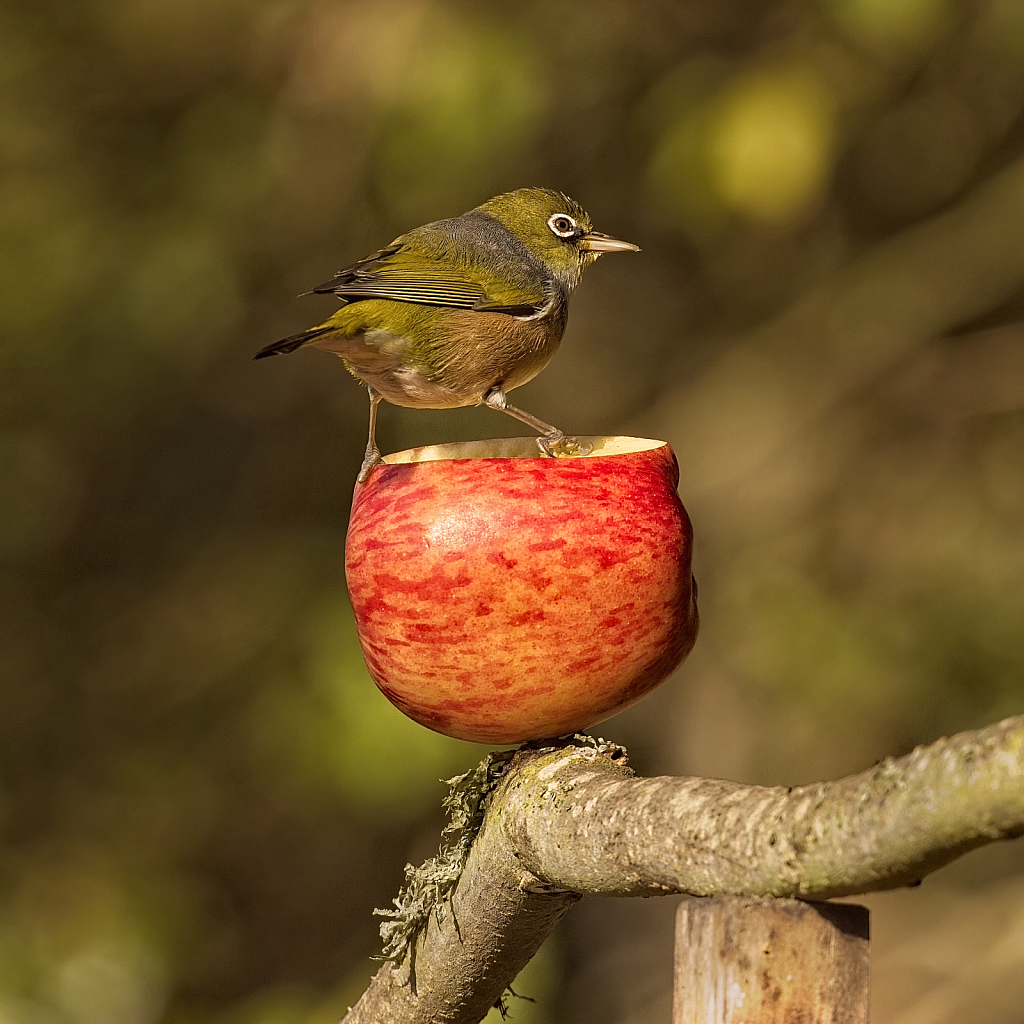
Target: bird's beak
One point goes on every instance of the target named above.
(595, 241)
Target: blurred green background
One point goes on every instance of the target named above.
(203, 796)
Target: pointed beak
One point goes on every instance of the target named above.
(595, 241)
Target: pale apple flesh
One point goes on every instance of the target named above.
(502, 597)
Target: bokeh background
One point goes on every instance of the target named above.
(203, 796)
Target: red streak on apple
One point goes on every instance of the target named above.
(511, 598)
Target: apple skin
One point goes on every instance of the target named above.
(508, 599)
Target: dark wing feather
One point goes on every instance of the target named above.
(442, 264)
(364, 268)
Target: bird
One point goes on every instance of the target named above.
(460, 311)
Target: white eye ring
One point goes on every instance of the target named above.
(562, 225)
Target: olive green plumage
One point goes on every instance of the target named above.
(460, 311)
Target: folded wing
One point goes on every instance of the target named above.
(439, 265)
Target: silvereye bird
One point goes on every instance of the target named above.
(461, 311)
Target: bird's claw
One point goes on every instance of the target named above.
(561, 446)
(373, 459)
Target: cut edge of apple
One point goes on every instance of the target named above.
(520, 448)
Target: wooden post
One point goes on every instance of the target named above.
(753, 961)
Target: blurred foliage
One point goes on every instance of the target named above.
(202, 794)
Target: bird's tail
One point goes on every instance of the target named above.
(290, 344)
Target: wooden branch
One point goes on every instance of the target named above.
(580, 823)
(572, 822)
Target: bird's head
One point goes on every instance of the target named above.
(555, 229)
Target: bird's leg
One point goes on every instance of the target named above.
(553, 441)
(372, 451)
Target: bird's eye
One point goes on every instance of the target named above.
(562, 225)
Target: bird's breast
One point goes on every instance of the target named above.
(487, 350)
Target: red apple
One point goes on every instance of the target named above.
(501, 597)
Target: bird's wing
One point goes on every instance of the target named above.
(434, 279)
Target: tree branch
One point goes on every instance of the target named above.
(572, 822)
(613, 835)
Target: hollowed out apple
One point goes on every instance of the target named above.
(501, 597)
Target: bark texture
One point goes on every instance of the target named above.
(571, 822)
(581, 823)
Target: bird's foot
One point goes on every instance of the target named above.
(561, 446)
(373, 458)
